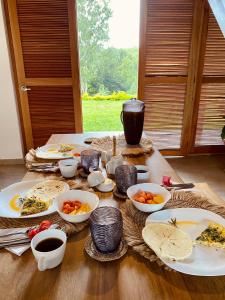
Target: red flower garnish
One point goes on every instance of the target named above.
(166, 181)
(46, 224)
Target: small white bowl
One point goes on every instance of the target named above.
(106, 186)
(148, 187)
(142, 176)
(84, 197)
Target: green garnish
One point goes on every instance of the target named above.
(173, 222)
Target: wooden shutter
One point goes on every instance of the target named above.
(212, 97)
(165, 39)
(44, 45)
(182, 75)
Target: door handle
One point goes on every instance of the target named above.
(24, 88)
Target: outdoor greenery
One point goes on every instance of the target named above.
(108, 75)
(103, 69)
(94, 112)
(115, 96)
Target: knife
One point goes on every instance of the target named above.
(15, 243)
(183, 185)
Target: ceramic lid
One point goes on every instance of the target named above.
(133, 105)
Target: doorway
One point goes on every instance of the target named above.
(108, 46)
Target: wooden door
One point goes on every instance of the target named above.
(44, 47)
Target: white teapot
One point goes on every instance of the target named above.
(114, 162)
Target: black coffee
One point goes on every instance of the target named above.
(49, 245)
(142, 171)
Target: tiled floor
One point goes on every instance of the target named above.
(210, 169)
(10, 174)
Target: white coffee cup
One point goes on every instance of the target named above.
(68, 167)
(51, 259)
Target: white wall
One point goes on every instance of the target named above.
(10, 136)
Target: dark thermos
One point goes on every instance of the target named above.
(132, 118)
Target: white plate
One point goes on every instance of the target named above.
(21, 188)
(204, 261)
(50, 151)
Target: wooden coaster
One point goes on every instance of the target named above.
(119, 195)
(103, 257)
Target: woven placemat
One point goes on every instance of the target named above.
(106, 144)
(55, 218)
(134, 220)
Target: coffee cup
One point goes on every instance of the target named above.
(68, 167)
(48, 248)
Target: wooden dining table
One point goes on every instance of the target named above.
(81, 277)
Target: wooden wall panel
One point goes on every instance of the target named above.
(51, 111)
(44, 33)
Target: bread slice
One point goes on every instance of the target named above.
(167, 241)
(46, 190)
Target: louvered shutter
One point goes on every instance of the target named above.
(44, 42)
(166, 36)
(212, 99)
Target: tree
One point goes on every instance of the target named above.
(93, 28)
(116, 70)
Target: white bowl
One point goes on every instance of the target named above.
(84, 197)
(142, 176)
(149, 187)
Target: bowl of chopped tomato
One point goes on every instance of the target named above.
(76, 206)
(148, 197)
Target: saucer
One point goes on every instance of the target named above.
(103, 257)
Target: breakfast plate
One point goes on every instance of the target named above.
(59, 151)
(46, 190)
(204, 260)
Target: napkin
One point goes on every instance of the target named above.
(39, 165)
(13, 233)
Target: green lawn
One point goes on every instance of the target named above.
(102, 115)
